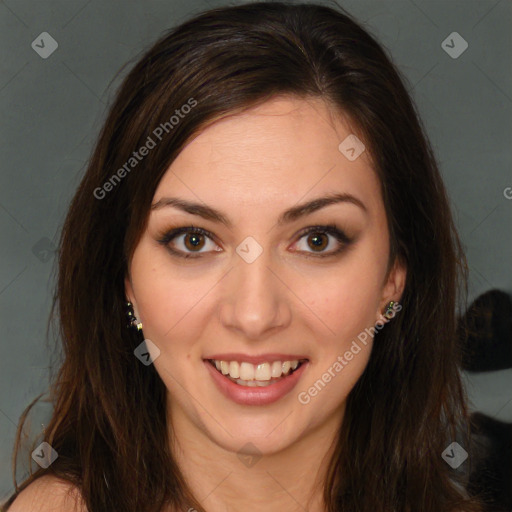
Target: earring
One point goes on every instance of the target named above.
(390, 309)
(132, 319)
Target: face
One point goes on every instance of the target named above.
(257, 288)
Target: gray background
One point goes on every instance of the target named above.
(52, 110)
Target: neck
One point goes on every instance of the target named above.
(221, 479)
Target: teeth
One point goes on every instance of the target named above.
(254, 383)
(277, 369)
(224, 367)
(262, 372)
(234, 369)
(255, 375)
(247, 371)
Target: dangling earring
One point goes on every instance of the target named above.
(132, 319)
(390, 309)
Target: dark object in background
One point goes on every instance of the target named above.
(485, 332)
(492, 456)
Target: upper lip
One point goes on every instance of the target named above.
(263, 358)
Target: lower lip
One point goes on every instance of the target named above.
(245, 395)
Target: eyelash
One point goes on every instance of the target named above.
(329, 229)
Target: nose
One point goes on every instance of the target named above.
(255, 299)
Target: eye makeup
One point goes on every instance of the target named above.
(166, 238)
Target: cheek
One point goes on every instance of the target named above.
(168, 299)
(346, 298)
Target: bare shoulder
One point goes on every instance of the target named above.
(46, 494)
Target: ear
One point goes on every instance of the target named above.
(393, 288)
(128, 290)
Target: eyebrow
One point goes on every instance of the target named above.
(287, 216)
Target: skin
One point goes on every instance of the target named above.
(252, 167)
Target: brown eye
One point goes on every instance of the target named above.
(318, 238)
(186, 241)
(319, 241)
(194, 241)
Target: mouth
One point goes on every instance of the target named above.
(256, 375)
(255, 384)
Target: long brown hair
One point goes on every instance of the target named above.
(409, 403)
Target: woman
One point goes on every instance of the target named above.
(264, 210)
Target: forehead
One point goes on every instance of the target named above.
(283, 151)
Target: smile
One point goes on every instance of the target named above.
(252, 375)
(256, 384)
